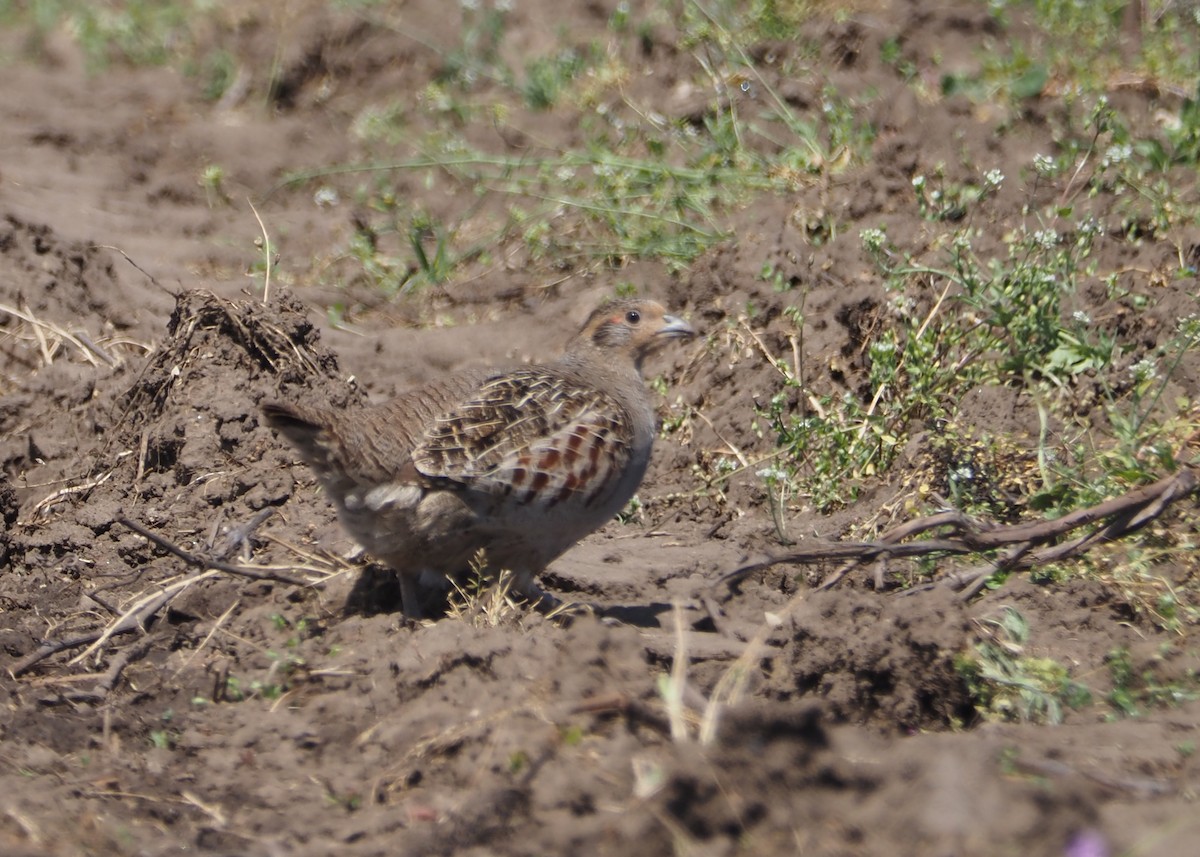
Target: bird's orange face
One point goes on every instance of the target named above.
(637, 326)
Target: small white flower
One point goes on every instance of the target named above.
(1144, 370)
(1117, 154)
(1043, 164)
(1081, 317)
(1046, 238)
(993, 178)
(326, 197)
(918, 182)
(872, 239)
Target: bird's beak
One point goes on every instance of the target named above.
(674, 327)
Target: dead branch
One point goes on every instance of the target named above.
(619, 703)
(198, 561)
(1022, 546)
(106, 682)
(142, 615)
(1143, 787)
(138, 621)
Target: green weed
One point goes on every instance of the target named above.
(1080, 39)
(961, 314)
(137, 31)
(546, 78)
(640, 186)
(1008, 684)
(477, 56)
(212, 179)
(1133, 691)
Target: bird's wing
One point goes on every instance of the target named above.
(531, 435)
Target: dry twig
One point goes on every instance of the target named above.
(106, 682)
(141, 615)
(210, 562)
(1023, 546)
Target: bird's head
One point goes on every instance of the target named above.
(632, 328)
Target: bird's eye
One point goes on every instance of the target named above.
(633, 316)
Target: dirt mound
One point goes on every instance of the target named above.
(59, 280)
(180, 450)
(65, 330)
(882, 661)
(805, 772)
(194, 405)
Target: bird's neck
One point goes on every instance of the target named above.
(619, 367)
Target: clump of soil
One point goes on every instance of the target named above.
(875, 660)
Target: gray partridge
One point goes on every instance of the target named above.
(520, 462)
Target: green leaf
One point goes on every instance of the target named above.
(1031, 83)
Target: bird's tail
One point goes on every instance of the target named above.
(303, 427)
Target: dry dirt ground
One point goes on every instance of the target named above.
(271, 717)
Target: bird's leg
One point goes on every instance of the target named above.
(410, 597)
(538, 598)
